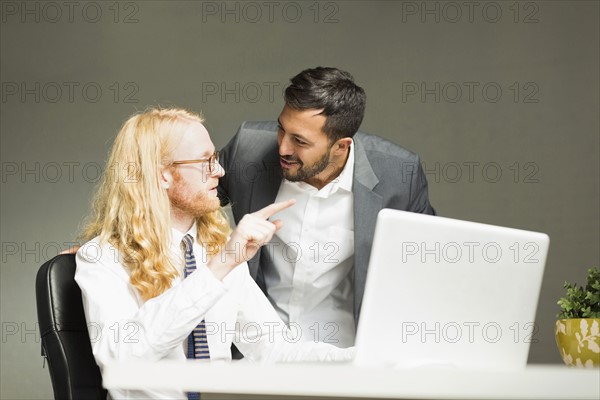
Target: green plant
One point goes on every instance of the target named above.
(582, 302)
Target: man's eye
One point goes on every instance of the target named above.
(300, 142)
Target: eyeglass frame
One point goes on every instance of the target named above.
(212, 161)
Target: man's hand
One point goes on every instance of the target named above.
(253, 231)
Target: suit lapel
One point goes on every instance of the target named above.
(367, 205)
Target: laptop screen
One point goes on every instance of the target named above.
(449, 293)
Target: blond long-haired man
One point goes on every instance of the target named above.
(156, 219)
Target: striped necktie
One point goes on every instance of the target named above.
(197, 347)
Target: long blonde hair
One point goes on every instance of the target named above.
(131, 210)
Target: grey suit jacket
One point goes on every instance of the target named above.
(385, 176)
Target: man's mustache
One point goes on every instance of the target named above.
(290, 159)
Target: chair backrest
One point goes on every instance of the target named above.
(65, 339)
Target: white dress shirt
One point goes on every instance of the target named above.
(311, 286)
(124, 327)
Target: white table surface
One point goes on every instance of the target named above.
(346, 380)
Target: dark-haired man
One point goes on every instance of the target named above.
(314, 269)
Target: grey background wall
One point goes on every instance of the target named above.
(500, 99)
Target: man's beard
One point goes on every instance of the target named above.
(197, 204)
(303, 173)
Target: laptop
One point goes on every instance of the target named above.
(446, 293)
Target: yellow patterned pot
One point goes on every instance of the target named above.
(578, 341)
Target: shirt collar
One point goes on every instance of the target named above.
(344, 180)
(177, 236)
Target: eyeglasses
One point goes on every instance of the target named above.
(212, 161)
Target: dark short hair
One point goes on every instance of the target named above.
(334, 91)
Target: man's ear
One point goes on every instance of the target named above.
(166, 178)
(343, 144)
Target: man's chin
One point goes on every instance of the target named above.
(290, 176)
(214, 205)
(208, 206)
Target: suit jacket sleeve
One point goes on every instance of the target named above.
(419, 194)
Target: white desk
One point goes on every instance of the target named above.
(343, 380)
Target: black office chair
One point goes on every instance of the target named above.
(65, 339)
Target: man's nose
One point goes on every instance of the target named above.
(285, 147)
(218, 170)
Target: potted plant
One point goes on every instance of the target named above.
(577, 330)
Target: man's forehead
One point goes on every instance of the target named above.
(195, 142)
(303, 122)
